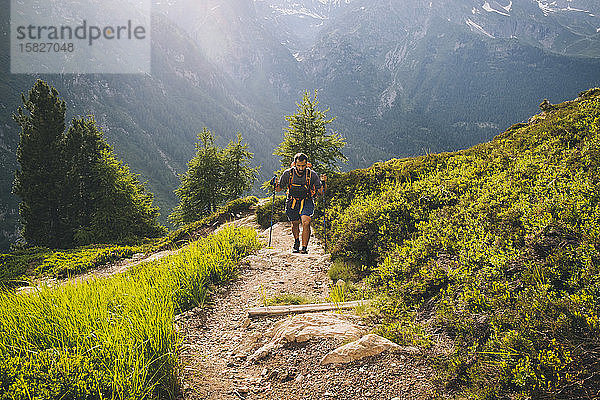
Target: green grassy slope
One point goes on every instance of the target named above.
(493, 250)
(111, 338)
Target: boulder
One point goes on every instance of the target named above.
(303, 327)
(368, 345)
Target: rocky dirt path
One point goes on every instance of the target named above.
(219, 339)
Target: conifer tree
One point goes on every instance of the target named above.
(238, 175)
(124, 209)
(307, 133)
(199, 192)
(106, 202)
(83, 148)
(72, 188)
(39, 181)
(214, 176)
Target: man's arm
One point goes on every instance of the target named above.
(323, 181)
(280, 185)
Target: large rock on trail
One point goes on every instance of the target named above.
(301, 328)
(368, 345)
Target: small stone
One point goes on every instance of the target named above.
(243, 389)
(288, 376)
(246, 323)
(299, 378)
(368, 345)
(328, 394)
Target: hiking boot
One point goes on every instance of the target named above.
(296, 248)
(304, 250)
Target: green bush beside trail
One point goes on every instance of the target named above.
(495, 248)
(20, 266)
(263, 212)
(197, 229)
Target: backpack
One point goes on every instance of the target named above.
(294, 187)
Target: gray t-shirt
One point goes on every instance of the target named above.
(315, 181)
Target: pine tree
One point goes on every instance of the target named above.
(105, 201)
(238, 175)
(307, 133)
(72, 188)
(214, 176)
(124, 210)
(199, 192)
(39, 182)
(83, 149)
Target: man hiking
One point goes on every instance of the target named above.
(302, 185)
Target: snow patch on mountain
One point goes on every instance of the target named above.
(301, 12)
(546, 9)
(551, 7)
(477, 28)
(486, 6)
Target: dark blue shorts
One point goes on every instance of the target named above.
(294, 208)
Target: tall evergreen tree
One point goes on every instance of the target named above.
(239, 176)
(105, 201)
(307, 133)
(214, 176)
(124, 209)
(83, 149)
(199, 192)
(72, 188)
(39, 181)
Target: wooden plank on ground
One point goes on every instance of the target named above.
(300, 308)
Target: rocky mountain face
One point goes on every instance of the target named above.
(403, 77)
(297, 24)
(231, 35)
(424, 75)
(410, 76)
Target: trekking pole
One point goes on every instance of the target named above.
(325, 219)
(272, 212)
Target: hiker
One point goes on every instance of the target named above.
(302, 185)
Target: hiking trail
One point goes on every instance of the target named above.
(219, 341)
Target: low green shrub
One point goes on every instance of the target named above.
(289, 299)
(22, 265)
(66, 263)
(263, 212)
(346, 271)
(198, 229)
(17, 267)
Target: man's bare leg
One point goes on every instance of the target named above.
(296, 229)
(305, 230)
